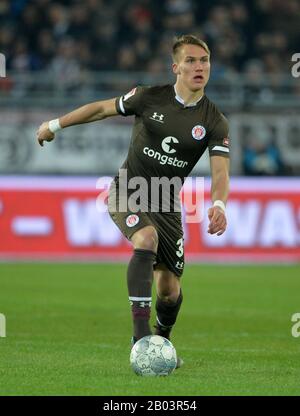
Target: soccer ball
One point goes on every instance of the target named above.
(153, 355)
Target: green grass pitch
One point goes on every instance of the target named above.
(69, 329)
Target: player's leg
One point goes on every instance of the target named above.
(140, 278)
(168, 270)
(168, 301)
(139, 230)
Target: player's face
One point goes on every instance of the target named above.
(192, 67)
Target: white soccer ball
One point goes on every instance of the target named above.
(153, 355)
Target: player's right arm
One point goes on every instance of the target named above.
(95, 111)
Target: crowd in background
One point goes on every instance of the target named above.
(67, 38)
(69, 35)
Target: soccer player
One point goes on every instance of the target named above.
(174, 125)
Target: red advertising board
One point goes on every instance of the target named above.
(57, 219)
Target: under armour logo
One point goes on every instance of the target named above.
(179, 265)
(145, 304)
(141, 304)
(157, 117)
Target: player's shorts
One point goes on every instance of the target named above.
(168, 226)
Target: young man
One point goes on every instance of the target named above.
(174, 124)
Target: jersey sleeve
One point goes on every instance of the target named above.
(131, 103)
(218, 142)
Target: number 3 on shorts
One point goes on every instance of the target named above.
(179, 252)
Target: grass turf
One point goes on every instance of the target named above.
(69, 329)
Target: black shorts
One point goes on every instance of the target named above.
(168, 226)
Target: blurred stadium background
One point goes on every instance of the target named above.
(68, 325)
(63, 54)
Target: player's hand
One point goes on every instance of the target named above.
(44, 134)
(217, 221)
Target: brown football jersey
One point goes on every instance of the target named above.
(168, 137)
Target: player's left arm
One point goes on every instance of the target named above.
(219, 166)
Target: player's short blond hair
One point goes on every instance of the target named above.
(187, 40)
